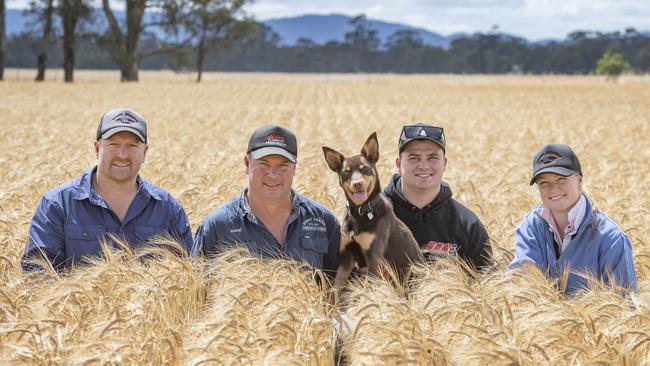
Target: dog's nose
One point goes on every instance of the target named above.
(357, 183)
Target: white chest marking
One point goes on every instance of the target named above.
(364, 240)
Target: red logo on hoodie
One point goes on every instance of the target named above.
(440, 247)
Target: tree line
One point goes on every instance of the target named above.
(219, 35)
(190, 26)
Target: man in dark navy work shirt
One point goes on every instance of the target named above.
(109, 198)
(269, 217)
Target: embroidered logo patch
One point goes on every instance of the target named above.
(314, 224)
(276, 139)
(125, 119)
(548, 158)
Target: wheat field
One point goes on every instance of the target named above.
(239, 310)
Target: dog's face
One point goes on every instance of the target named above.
(357, 174)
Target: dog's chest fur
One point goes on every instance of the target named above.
(363, 224)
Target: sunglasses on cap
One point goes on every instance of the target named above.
(421, 132)
(414, 131)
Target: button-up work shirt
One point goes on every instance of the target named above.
(71, 220)
(312, 233)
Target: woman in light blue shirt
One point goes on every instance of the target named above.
(565, 234)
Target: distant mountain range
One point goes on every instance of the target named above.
(324, 28)
(318, 28)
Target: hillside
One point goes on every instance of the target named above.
(318, 28)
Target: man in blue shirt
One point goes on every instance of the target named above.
(108, 199)
(269, 217)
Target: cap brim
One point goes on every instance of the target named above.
(113, 131)
(403, 146)
(565, 172)
(266, 151)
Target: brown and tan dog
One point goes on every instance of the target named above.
(371, 233)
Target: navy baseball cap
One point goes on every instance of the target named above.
(119, 120)
(421, 131)
(557, 159)
(273, 140)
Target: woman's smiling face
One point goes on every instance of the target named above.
(559, 194)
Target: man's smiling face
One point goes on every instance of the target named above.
(270, 177)
(421, 164)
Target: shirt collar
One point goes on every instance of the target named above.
(148, 188)
(576, 215)
(298, 201)
(85, 190)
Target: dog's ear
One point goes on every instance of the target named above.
(371, 148)
(333, 158)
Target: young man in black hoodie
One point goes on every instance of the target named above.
(421, 199)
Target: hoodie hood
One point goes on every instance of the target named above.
(424, 214)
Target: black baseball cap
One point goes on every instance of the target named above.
(119, 120)
(421, 131)
(557, 159)
(273, 140)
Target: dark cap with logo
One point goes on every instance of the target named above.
(421, 131)
(119, 120)
(557, 159)
(273, 140)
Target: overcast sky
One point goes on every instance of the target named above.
(533, 19)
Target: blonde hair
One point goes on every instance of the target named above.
(585, 190)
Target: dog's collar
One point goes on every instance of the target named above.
(369, 209)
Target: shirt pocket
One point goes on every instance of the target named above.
(317, 244)
(313, 250)
(83, 240)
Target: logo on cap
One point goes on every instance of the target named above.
(423, 133)
(548, 158)
(276, 139)
(124, 118)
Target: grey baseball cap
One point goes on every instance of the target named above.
(119, 120)
(273, 140)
